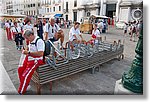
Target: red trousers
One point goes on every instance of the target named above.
(8, 33)
(25, 73)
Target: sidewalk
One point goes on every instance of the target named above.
(6, 84)
(102, 82)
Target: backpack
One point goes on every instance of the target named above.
(54, 25)
(47, 46)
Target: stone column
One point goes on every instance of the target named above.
(129, 14)
(96, 11)
(117, 10)
(104, 8)
(101, 9)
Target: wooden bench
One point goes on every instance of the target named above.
(46, 74)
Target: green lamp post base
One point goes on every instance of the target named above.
(133, 79)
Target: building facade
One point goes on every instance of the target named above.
(31, 7)
(119, 10)
(51, 7)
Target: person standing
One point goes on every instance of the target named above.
(34, 58)
(125, 29)
(39, 29)
(8, 33)
(28, 25)
(134, 30)
(16, 30)
(100, 25)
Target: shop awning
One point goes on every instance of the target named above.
(58, 15)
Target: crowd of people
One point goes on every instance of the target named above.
(24, 30)
(133, 29)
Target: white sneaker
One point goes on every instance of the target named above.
(29, 87)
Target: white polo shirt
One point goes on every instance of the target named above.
(15, 29)
(7, 25)
(51, 30)
(97, 34)
(28, 27)
(73, 32)
(40, 46)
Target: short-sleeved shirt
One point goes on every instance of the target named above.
(95, 34)
(73, 32)
(16, 29)
(30, 27)
(7, 25)
(51, 30)
(40, 46)
(20, 25)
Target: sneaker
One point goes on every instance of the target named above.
(29, 87)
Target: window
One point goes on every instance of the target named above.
(47, 9)
(66, 6)
(38, 4)
(59, 8)
(59, 1)
(53, 1)
(75, 3)
(54, 9)
(66, 17)
(33, 5)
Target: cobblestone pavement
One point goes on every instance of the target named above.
(102, 82)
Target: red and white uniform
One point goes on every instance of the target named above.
(8, 31)
(16, 30)
(31, 63)
(95, 35)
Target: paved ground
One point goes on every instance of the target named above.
(102, 82)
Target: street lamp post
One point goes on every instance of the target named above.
(133, 79)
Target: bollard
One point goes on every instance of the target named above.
(119, 43)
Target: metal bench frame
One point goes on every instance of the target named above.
(51, 72)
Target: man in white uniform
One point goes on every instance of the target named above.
(74, 33)
(53, 32)
(34, 58)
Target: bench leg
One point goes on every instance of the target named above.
(50, 87)
(98, 68)
(93, 70)
(38, 89)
